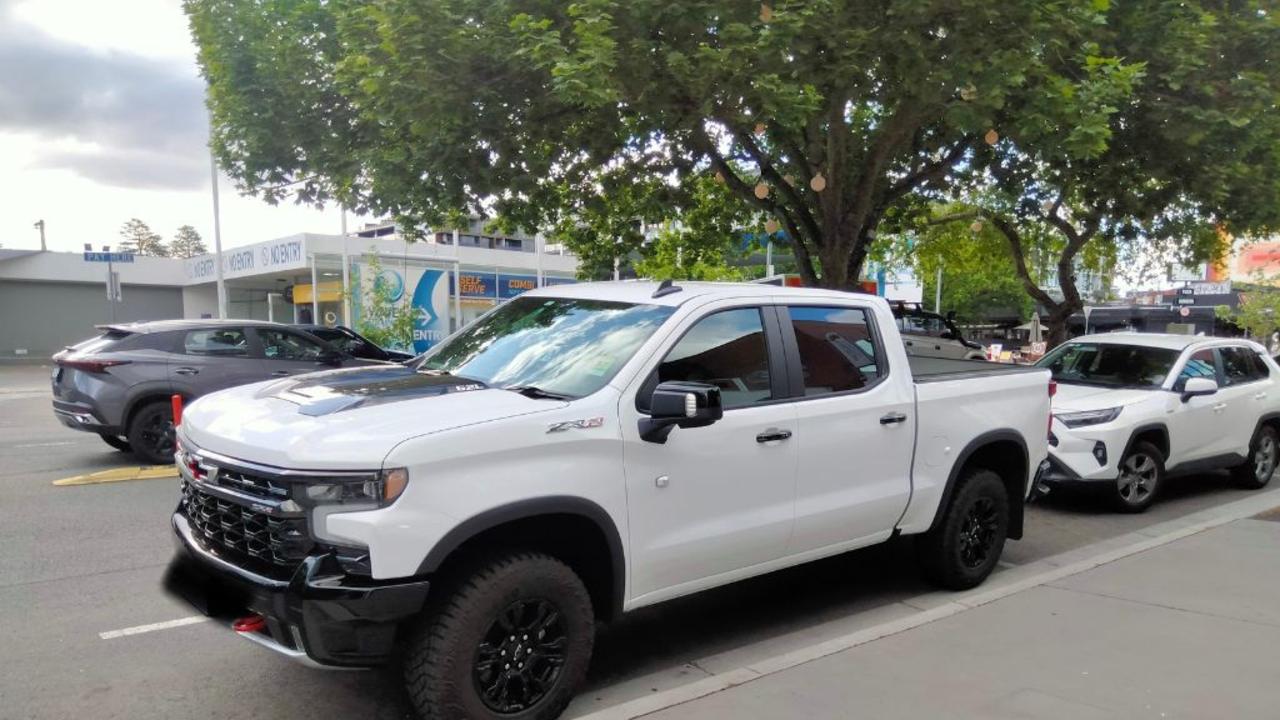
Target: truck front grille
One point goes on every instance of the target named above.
(243, 535)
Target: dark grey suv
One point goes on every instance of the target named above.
(119, 384)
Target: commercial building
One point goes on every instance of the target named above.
(51, 299)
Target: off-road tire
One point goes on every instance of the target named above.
(154, 417)
(1138, 499)
(948, 557)
(1256, 471)
(443, 648)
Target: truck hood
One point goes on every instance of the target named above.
(343, 419)
(1088, 397)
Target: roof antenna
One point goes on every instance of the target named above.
(666, 287)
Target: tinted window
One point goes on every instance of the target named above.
(727, 350)
(280, 345)
(1238, 366)
(217, 341)
(922, 325)
(1201, 365)
(341, 340)
(1260, 368)
(1110, 364)
(560, 345)
(837, 349)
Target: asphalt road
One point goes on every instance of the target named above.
(80, 561)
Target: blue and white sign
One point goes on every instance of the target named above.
(272, 256)
(111, 257)
(430, 310)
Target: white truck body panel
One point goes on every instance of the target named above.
(710, 506)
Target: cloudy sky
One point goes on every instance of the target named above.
(102, 119)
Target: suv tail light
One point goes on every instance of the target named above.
(88, 364)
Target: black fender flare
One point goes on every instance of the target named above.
(1148, 427)
(1017, 503)
(1272, 418)
(532, 508)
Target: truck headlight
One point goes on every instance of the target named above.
(365, 493)
(1085, 418)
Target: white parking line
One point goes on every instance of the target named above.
(47, 444)
(139, 629)
(1005, 564)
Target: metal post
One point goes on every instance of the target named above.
(346, 273)
(616, 275)
(40, 225)
(217, 238)
(457, 296)
(537, 256)
(768, 257)
(315, 293)
(111, 290)
(937, 292)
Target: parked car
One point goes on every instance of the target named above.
(1134, 408)
(929, 334)
(581, 452)
(119, 383)
(353, 343)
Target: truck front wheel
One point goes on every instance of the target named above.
(510, 638)
(963, 547)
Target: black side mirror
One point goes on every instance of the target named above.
(680, 404)
(330, 357)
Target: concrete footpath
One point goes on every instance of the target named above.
(1187, 629)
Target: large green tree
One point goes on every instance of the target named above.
(1191, 149)
(824, 114)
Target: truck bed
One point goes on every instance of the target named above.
(927, 369)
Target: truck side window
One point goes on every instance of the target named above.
(837, 349)
(725, 349)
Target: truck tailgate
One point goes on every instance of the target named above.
(963, 404)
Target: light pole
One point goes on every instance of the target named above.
(40, 226)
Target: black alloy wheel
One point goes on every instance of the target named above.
(978, 532)
(520, 658)
(151, 434)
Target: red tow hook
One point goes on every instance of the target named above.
(249, 623)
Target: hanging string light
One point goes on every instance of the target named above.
(976, 226)
(771, 226)
(818, 183)
(992, 137)
(762, 190)
(760, 128)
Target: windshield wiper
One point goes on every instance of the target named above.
(537, 393)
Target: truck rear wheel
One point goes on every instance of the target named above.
(963, 548)
(1264, 455)
(510, 638)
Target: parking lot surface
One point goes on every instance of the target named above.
(88, 632)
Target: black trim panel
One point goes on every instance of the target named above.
(532, 508)
(1215, 462)
(1133, 437)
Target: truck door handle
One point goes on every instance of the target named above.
(908, 343)
(893, 418)
(1219, 407)
(279, 373)
(773, 434)
(187, 371)
(1260, 396)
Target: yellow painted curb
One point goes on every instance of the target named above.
(122, 474)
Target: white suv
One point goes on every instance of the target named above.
(1132, 408)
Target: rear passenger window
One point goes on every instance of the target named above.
(837, 349)
(1237, 366)
(727, 350)
(219, 341)
(1242, 365)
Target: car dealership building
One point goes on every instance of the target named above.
(52, 299)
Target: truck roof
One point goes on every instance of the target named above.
(642, 291)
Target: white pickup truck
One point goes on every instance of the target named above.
(580, 452)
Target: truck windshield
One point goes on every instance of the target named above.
(1110, 365)
(554, 346)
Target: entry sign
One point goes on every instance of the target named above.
(111, 257)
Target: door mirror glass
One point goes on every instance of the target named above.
(1197, 386)
(680, 404)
